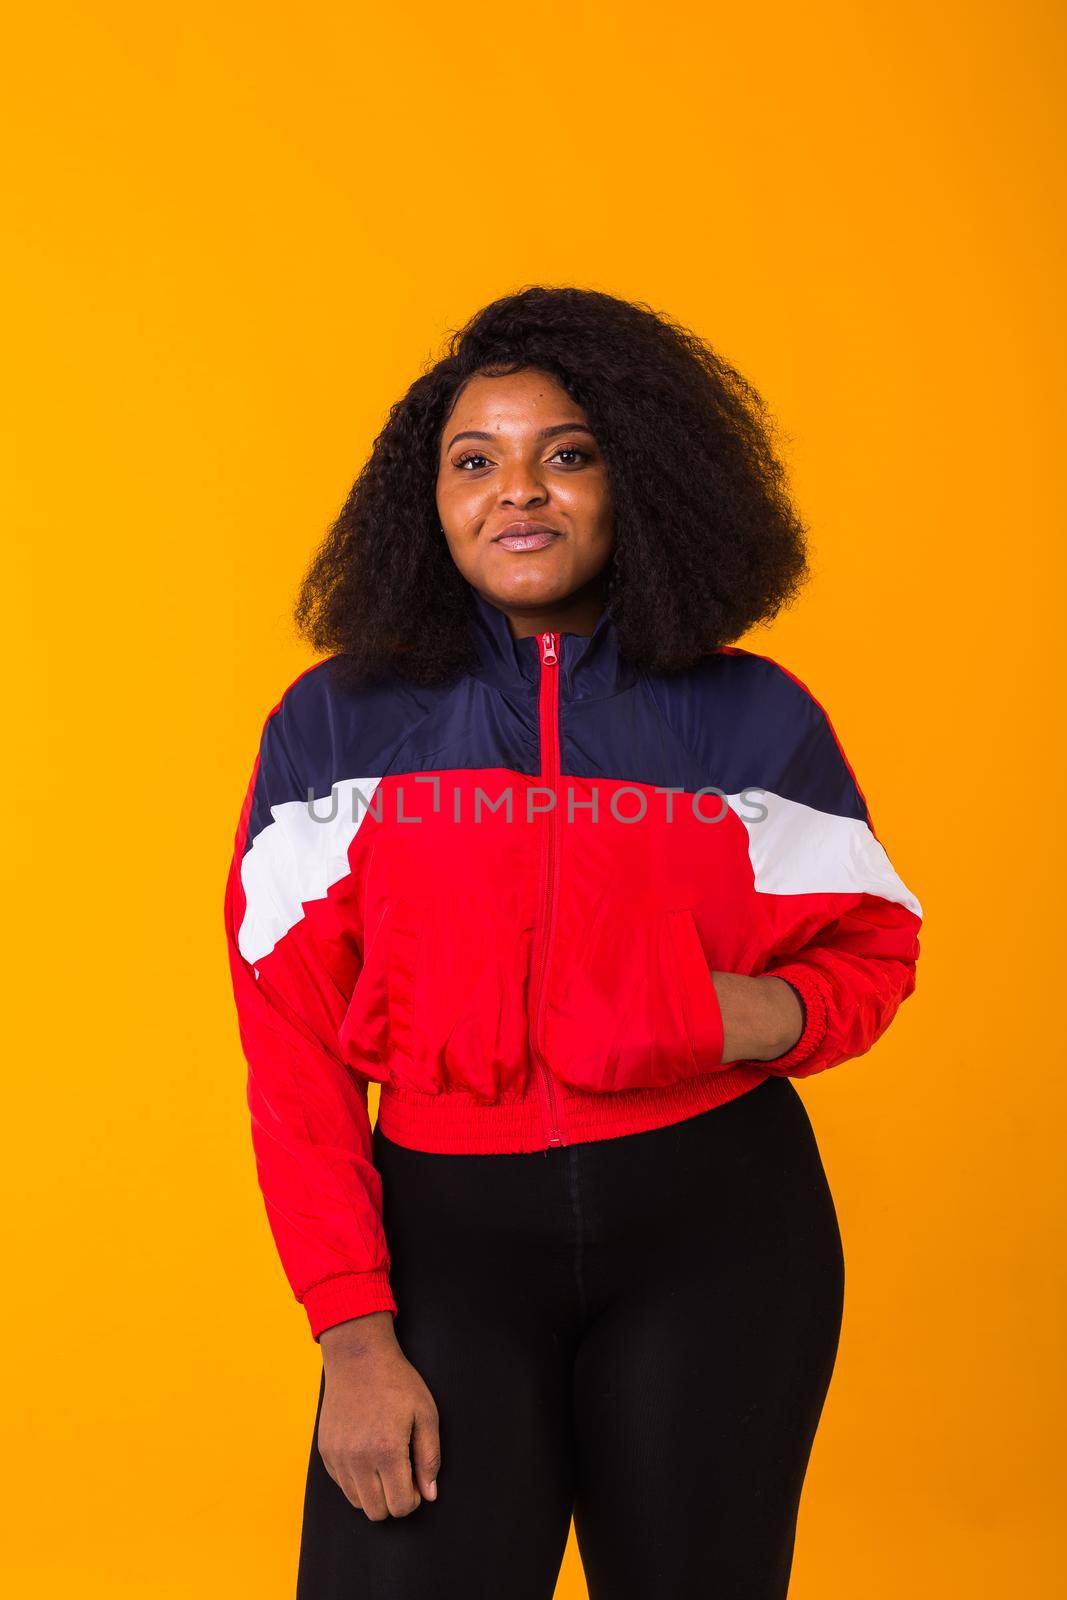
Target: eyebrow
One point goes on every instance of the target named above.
(545, 433)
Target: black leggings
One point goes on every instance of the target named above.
(639, 1332)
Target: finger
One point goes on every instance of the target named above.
(345, 1479)
(341, 1478)
(426, 1452)
(369, 1494)
(401, 1495)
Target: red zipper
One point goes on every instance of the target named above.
(548, 709)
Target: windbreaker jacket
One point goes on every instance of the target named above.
(503, 899)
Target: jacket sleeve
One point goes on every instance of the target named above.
(293, 961)
(852, 939)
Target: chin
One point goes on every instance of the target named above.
(532, 596)
(526, 588)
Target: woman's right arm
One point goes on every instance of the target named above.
(293, 966)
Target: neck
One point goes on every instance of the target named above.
(576, 613)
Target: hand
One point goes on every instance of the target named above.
(762, 1017)
(378, 1418)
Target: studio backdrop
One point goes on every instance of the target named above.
(233, 235)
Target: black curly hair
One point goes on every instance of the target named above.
(706, 540)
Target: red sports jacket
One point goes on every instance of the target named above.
(502, 899)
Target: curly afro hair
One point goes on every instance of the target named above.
(707, 542)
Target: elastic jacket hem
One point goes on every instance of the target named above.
(457, 1124)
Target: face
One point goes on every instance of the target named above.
(523, 497)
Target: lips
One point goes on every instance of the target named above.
(525, 536)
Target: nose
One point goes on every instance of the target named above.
(521, 487)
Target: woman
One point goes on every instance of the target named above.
(582, 885)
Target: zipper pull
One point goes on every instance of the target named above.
(548, 649)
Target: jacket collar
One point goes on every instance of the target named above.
(590, 665)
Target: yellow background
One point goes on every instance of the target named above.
(232, 235)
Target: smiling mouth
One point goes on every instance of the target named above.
(532, 536)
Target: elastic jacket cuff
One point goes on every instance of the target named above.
(344, 1296)
(812, 997)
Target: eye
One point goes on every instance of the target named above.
(474, 461)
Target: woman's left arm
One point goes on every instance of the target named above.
(762, 1018)
(828, 1003)
(850, 925)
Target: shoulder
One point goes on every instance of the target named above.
(297, 717)
(294, 743)
(808, 723)
(322, 699)
(752, 718)
(302, 696)
(324, 728)
(733, 683)
(755, 673)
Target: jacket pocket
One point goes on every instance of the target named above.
(699, 997)
(631, 1005)
(377, 1029)
(439, 1008)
